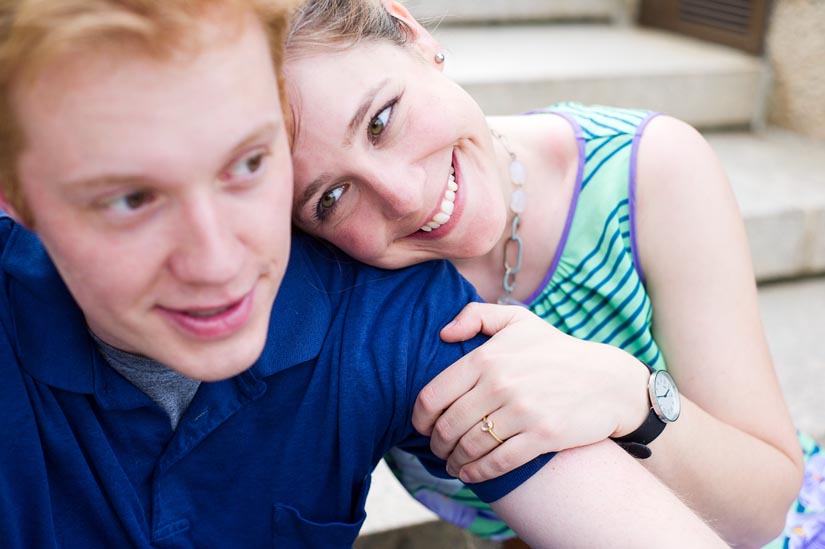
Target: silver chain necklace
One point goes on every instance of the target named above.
(513, 246)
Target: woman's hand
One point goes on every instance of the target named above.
(544, 391)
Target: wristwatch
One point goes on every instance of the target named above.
(664, 408)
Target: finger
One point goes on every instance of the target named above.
(508, 421)
(476, 318)
(440, 393)
(477, 443)
(464, 415)
(515, 452)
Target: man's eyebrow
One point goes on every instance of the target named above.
(363, 108)
(92, 184)
(265, 130)
(268, 130)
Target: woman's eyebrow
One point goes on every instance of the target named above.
(352, 128)
(364, 107)
(309, 191)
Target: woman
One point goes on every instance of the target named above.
(593, 217)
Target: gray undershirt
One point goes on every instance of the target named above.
(167, 388)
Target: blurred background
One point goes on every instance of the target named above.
(749, 74)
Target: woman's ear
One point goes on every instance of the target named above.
(422, 39)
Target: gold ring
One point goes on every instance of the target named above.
(487, 426)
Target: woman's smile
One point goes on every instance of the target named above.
(392, 161)
(446, 207)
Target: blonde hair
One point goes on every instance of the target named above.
(33, 33)
(319, 25)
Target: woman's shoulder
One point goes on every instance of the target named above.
(594, 121)
(672, 151)
(684, 199)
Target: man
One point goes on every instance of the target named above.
(151, 394)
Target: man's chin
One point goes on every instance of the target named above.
(214, 363)
(217, 359)
(210, 369)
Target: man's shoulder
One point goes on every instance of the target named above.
(344, 278)
(385, 319)
(388, 321)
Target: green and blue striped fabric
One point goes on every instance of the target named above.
(595, 288)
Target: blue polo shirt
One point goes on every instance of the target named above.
(279, 455)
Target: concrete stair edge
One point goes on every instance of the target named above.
(514, 68)
(463, 12)
(778, 181)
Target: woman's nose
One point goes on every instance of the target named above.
(400, 195)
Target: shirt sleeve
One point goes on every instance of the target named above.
(395, 318)
(440, 295)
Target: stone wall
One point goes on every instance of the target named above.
(796, 52)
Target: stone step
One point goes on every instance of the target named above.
(779, 182)
(498, 11)
(792, 316)
(514, 68)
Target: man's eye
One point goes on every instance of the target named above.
(328, 201)
(379, 122)
(248, 166)
(132, 201)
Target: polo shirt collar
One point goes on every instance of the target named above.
(55, 347)
(50, 332)
(302, 313)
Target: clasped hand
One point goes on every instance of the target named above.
(544, 390)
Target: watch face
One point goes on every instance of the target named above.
(665, 396)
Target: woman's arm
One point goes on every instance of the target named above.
(733, 454)
(598, 496)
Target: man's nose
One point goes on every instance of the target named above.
(206, 250)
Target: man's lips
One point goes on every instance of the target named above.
(214, 321)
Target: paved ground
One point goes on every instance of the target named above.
(793, 317)
(792, 313)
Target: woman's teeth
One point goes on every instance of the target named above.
(447, 205)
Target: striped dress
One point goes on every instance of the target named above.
(594, 290)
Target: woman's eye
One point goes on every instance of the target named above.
(248, 166)
(379, 122)
(328, 201)
(132, 201)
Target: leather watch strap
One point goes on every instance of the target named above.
(635, 443)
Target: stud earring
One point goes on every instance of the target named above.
(440, 57)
